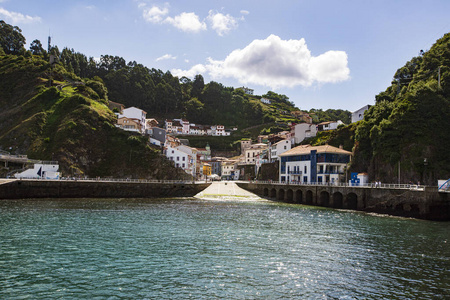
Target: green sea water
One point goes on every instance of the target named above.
(191, 248)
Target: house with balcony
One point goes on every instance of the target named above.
(129, 124)
(314, 164)
(136, 114)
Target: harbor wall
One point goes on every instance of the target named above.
(426, 203)
(24, 189)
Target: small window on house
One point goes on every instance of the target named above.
(306, 169)
(184, 158)
(178, 158)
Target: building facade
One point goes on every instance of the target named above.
(314, 164)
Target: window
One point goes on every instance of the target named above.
(178, 158)
(184, 158)
(306, 169)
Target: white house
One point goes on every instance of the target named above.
(228, 169)
(184, 157)
(314, 164)
(266, 101)
(251, 153)
(302, 131)
(135, 113)
(358, 115)
(247, 90)
(330, 125)
(279, 148)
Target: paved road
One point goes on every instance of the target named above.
(225, 189)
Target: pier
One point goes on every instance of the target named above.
(413, 201)
(96, 188)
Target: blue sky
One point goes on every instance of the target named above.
(321, 54)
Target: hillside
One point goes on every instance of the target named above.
(69, 122)
(408, 127)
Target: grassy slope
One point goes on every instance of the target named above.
(69, 126)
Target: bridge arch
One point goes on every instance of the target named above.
(351, 201)
(290, 195)
(338, 200)
(266, 192)
(273, 193)
(309, 197)
(281, 194)
(324, 198)
(298, 196)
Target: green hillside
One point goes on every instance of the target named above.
(69, 122)
(408, 128)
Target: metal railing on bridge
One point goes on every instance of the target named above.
(120, 180)
(343, 184)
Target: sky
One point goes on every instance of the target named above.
(320, 53)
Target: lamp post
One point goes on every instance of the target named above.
(425, 163)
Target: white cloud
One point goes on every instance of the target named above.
(277, 63)
(245, 12)
(195, 70)
(17, 18)
(154, 14)
(188, 22)
(221, 23)
(166, 56)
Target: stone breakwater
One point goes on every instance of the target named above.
(426, 204)
(24, 189)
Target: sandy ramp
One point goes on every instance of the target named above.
(225, 190)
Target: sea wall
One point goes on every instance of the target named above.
(426, 203)
(23, 189)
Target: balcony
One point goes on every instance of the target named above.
(295, 172)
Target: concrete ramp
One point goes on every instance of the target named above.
(226, 190)
(3, 181)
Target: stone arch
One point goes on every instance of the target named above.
(324, 198)
(281, 194)
(338, 200)
(298, 196)
(351, 201)
(266, 192)
(273, 193)
(309, 197)
(290, 195)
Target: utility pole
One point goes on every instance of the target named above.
(398, 172)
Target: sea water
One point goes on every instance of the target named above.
(190, 248)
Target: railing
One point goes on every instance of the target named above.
(123, 180)
(24, 159)
(343, 184)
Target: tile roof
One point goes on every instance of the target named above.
(306, 149)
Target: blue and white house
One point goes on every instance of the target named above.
(314, 164)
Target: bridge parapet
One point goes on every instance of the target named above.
(401, 200)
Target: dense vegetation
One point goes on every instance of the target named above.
(408, 127)
(59, 112)
(70, 123)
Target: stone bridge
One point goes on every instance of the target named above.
(423, 203)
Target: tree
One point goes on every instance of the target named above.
(11, 39)
(36, 48)
(197, 86)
